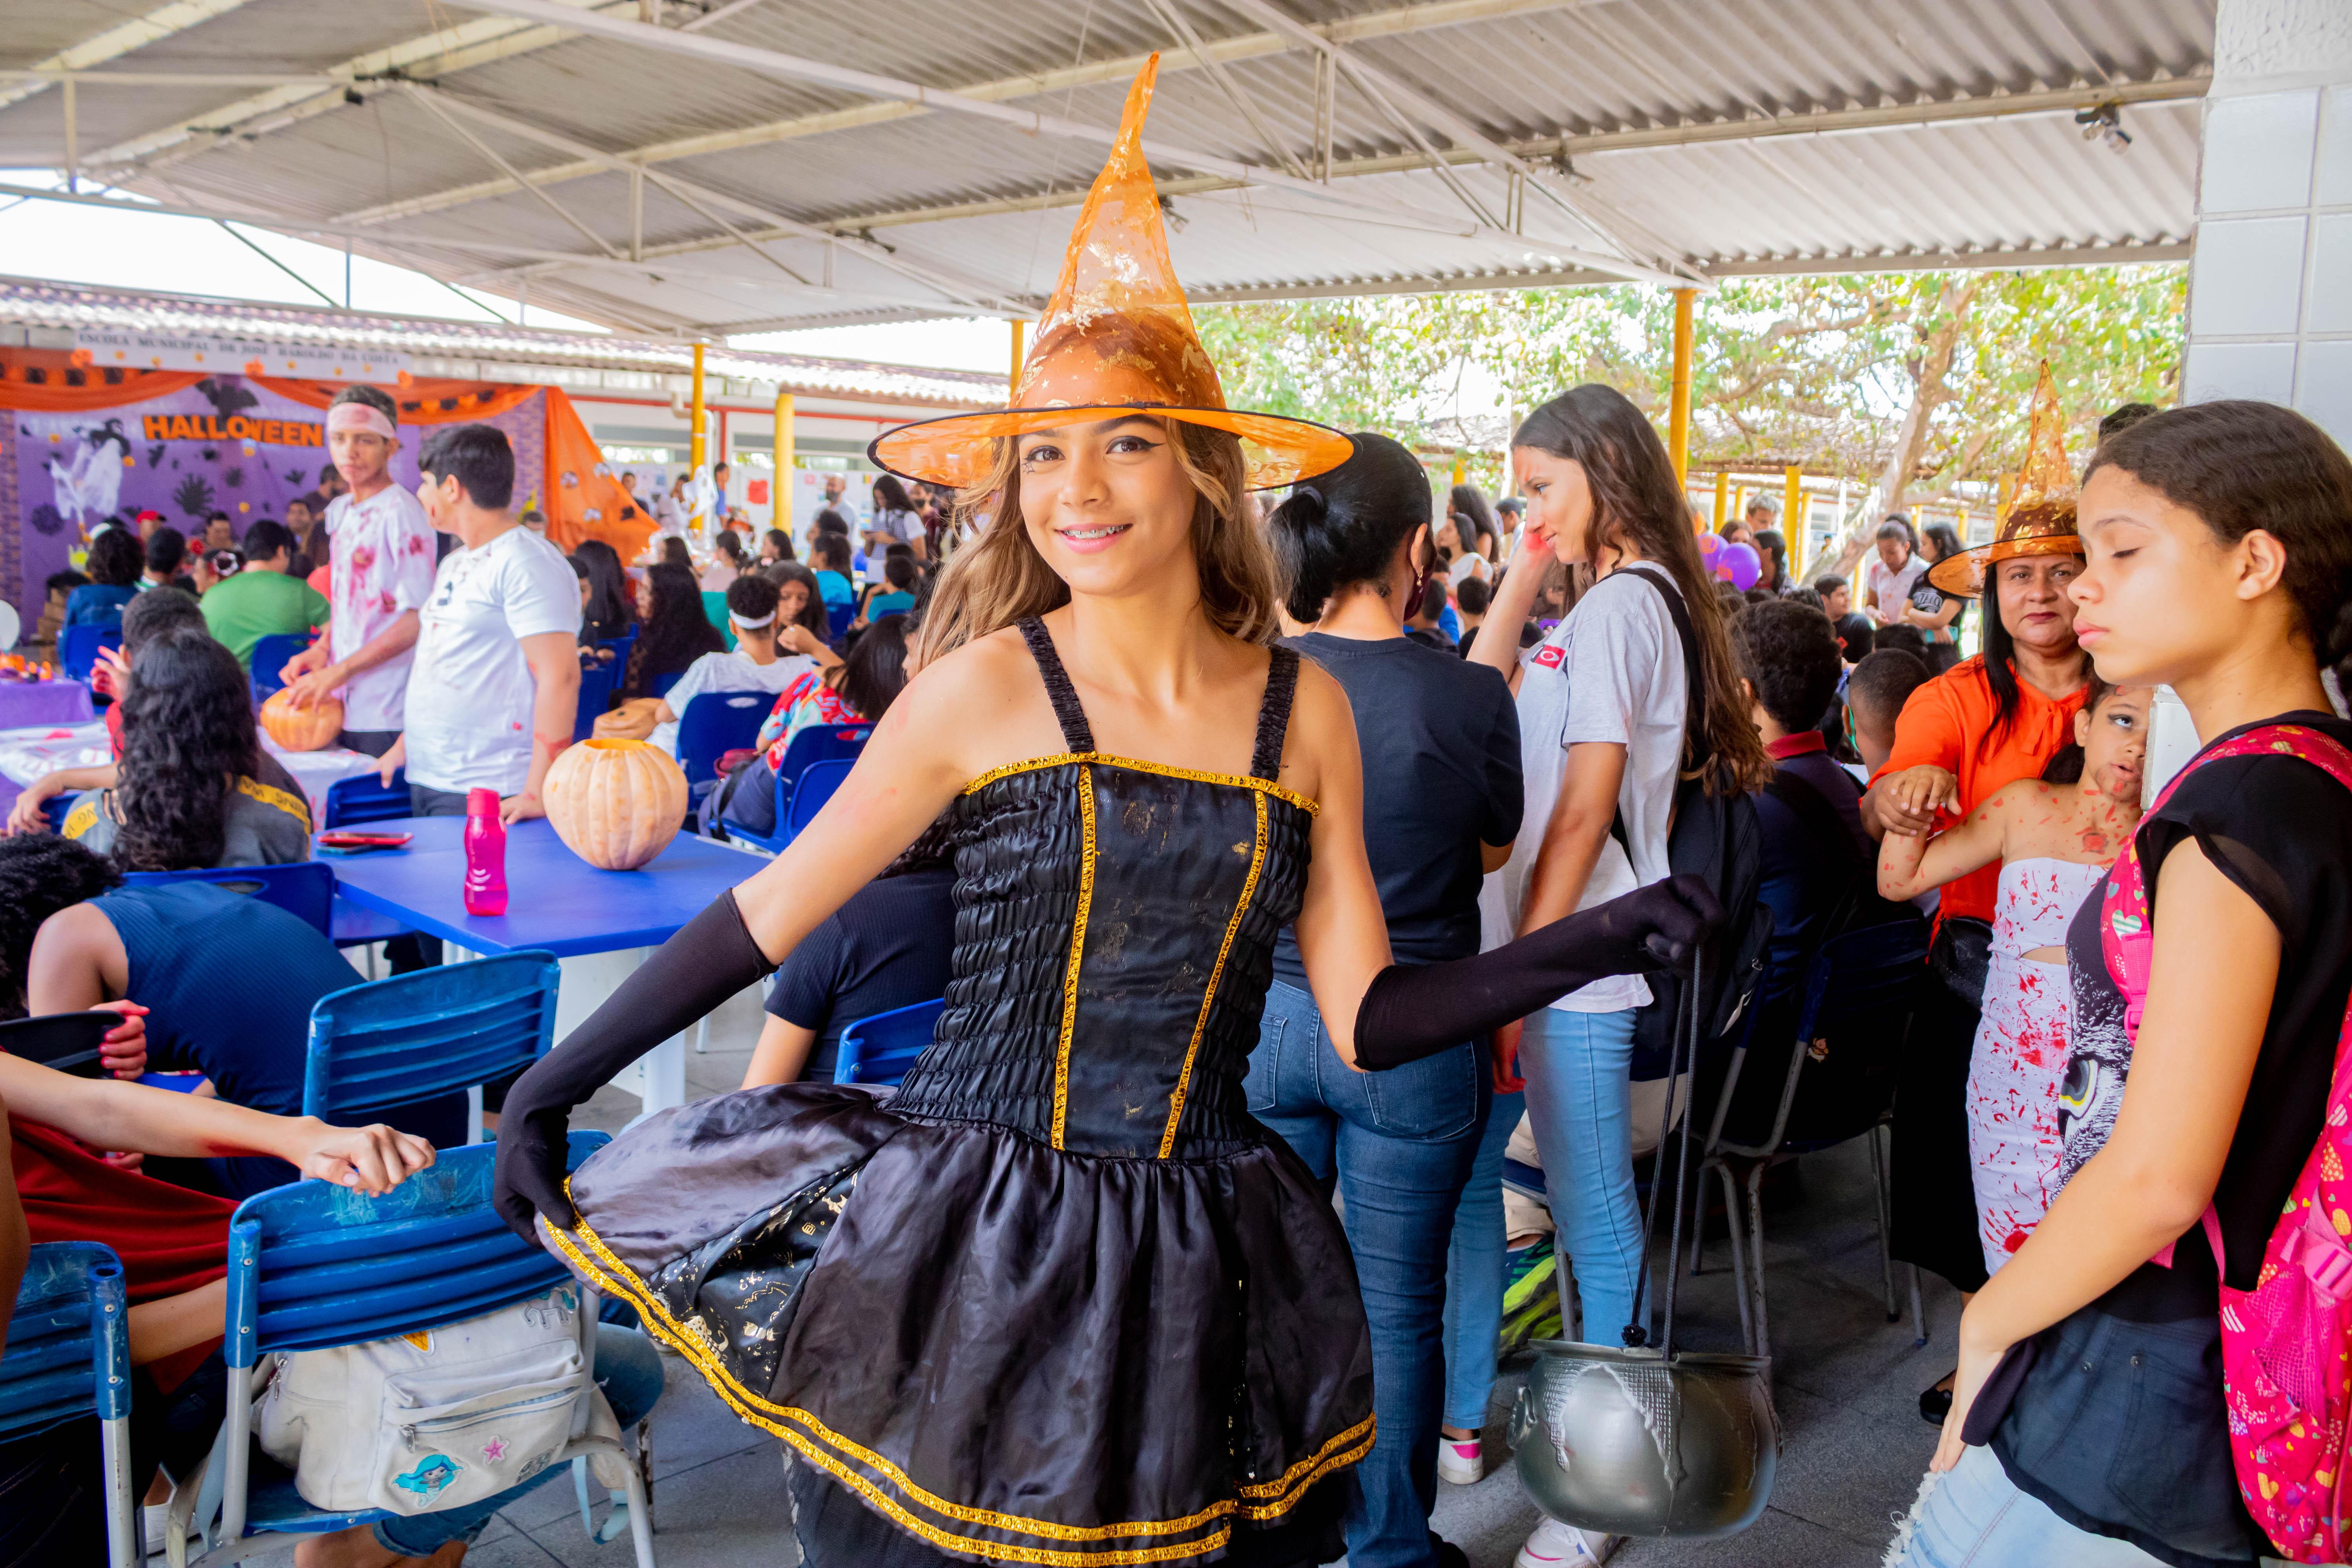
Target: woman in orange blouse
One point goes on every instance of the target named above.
(1986, 722)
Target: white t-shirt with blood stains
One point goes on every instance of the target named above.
(382, 553)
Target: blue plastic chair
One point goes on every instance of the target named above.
(367, 798)
(807, 797)
(837, 618)
(660, 684)
(305, 888)
(312, 1266)
(1852, 1026)
(459, 1025)
(596, 684)
(817, 743)
(269, 656)
(69, 1356)
(880, 1050)
(715, 723)
(77, 648)
(54, 809)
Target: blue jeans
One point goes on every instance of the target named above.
(1976, 1518)
(1578, 1067)
(629, 1371)
(1473, 1273)
(1399, 1146)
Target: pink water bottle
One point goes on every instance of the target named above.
(486, 853)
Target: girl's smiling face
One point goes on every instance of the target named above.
(1107, 506)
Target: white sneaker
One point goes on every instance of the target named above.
(1558, 1545)
(1462, 1462)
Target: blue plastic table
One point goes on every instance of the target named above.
(557, 902)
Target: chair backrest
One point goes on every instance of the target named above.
(367, 798)
(815, 787)
(312, 1266)
(68, 1340)
(269, 656)
(1866, 976)
(1851, 1030)
(62, 1042)
(881, 1048)
(715, 723)
(305, 888)
(390, 1042)
(660, 684)
(838, 616)
(54, 809)
(597, 683)
(818, 742)
(77, 648)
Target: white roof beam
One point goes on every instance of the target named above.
(451, 48)
(1404, 20)
(791, 67)
(115, 42)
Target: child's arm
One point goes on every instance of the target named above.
(1908, 865)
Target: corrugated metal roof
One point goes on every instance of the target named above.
(456, 348)
(1743, 134)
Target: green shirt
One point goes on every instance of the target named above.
(256, 603)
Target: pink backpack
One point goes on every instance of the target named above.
(2284, 1368)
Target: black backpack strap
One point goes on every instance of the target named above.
(1694, 744)
(1076, 733)
(1273, 713)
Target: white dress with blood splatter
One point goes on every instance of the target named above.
(2020, 1055)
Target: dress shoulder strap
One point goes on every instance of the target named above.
(1076, 733)
(1273, 713)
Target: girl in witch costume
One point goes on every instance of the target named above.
(1058, 1299)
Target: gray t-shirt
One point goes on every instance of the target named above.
(261, 825)
(1612, 671)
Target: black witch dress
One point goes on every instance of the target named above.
(1058, 1299)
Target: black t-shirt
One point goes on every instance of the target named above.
(1441, 743)
(1929, 599)
(888, 947)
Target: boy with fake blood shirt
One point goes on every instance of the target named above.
(381, 571)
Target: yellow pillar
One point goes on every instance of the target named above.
(1461, 466)
(784, 496)
(1678, 413)
(1792, 516)
(2000, 502)
(1013, 381)
(695, 453)
(1722, 499)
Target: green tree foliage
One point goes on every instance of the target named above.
(1821, 372)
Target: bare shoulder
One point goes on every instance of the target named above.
(979, 707)
(1322, 734)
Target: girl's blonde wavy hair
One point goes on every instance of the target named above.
(998, 578)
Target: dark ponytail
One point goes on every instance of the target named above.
(1347, 527)
(2240, 465)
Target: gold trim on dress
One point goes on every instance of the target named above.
(1077, 950)
(1238, 780)
(1209, 997)
(1283, 1492)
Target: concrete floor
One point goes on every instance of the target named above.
(1846, 1385)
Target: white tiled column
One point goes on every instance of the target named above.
(2269, 292)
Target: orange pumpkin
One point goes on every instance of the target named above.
(301, 729)
(615, 804)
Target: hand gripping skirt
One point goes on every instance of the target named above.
(1012, 1354)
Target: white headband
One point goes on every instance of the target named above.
(749, 625)
(360, 416)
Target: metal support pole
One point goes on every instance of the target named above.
(2000, 500)
(1013, 381)
(1722, 499)
(522, 302)
(73, 141)
(1326, 85)
(784, 499)
(695, 442)
(1792, 516)
(1678, 417)
(347, 272)
(637, 214)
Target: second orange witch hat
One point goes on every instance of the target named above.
(2040, 520)
(1115, 337)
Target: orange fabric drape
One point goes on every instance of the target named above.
(431, 402)
(579, 482)
(52, 395)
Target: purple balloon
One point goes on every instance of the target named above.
(1708, 543)
(1741, 565)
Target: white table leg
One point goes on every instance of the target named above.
(474, 1114)
(664, 1075)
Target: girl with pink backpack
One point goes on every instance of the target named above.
(2160, 1372)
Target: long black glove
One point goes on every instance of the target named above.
(1413, 1011)
(711, 958)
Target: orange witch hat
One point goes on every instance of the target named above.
(1116, 337)
(2040, 520)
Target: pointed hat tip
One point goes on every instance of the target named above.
(1138, 106)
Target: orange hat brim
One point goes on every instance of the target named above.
(1963, 576)
(958, 449)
